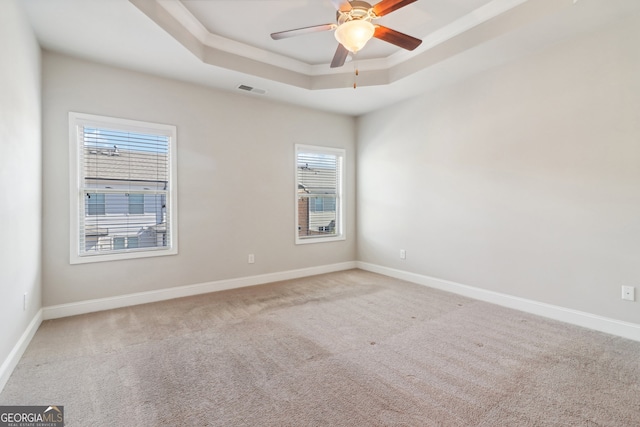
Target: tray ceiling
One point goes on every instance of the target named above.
(227, 43)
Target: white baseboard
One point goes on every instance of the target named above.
(82, 307)
(89, 306)
(588, 320)
(16, 353)
(567, 315)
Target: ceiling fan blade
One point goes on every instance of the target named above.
(304, 30)
(388, 6)
(397, 38)
(342, 5)
(340, 56)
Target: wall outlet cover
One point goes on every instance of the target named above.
(629, 293)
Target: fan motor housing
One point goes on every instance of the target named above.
(359, 10)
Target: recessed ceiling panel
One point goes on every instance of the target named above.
(252, 21)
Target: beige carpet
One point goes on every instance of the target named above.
(344, 349)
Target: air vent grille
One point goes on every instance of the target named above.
(252, 89)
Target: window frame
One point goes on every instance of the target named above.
(77, 189)
(340, 207)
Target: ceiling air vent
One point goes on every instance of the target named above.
(252, 89)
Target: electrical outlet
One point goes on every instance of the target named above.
(629, 293)
(252, 259)
(403, 254)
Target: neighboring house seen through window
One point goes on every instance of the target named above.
(319, 207)
(123, 173)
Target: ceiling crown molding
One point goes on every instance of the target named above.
(485, 23)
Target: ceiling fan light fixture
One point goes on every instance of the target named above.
(353, 35)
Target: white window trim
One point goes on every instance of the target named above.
(340, 215)
(76, 194)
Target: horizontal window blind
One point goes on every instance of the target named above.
(318, 177)
(124, 190)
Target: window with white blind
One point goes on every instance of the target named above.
(123, 181)
(319, 201)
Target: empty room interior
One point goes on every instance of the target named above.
(240, 213)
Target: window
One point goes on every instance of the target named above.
(123, 184)
(95, 204)
(125, 242)
(319, 202)
(322, 204)
(136, 204)
(119, 243)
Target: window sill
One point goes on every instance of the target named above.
(327, 239)
(124, 255)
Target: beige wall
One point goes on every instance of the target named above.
(523, 180)
(20, 175)
(235, 177)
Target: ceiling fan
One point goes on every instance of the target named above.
(354, 27)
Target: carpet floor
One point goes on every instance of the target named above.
(350, 348)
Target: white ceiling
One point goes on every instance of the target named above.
(226, 43)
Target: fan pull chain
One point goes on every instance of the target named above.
(355, 77)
